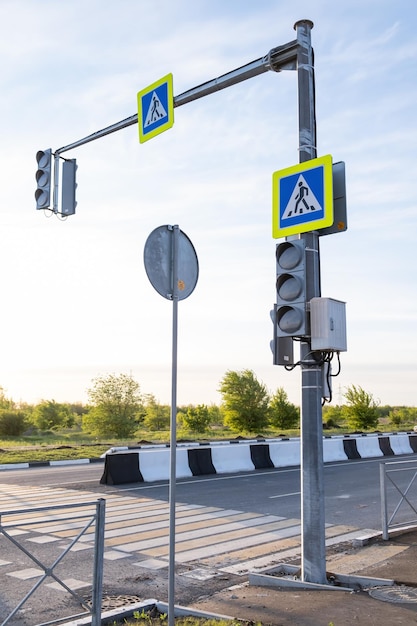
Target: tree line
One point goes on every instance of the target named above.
(117, 408)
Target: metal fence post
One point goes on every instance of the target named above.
(98, 563)
(384, 504)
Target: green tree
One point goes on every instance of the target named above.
(245, 401)
(156, 416)
(216, 415)
(361, 409)
(402, 416)
(197, 418)
(283, 414)
(385, 410)
(5, 403)
(333, 415)
(50, 415)
(12, 423)
(116, 406)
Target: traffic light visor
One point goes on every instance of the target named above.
(289, 255)
(290, 320)
(43, 158)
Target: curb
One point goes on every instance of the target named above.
(108, 617)
(12, 466)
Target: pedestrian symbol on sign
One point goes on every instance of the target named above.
(302, 200)
(156, 110)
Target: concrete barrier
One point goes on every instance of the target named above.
(333, 450)
(233, 458)
(246, 456)
(155, 464)
(400, 444)
(368, 446)
(200, 461)
(285, 453)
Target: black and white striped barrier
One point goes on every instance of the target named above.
(152, 463)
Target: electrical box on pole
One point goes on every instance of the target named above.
(43, 179)
(328, 324)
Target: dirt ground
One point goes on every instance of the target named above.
(395, 559)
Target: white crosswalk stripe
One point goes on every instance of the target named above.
(227, 540)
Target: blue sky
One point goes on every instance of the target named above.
(76, 299)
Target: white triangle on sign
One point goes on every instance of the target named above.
(156, 111)
(302, 200)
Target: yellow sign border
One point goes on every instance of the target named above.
(327, 163)
(170, 100)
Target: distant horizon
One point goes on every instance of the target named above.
(184, 395)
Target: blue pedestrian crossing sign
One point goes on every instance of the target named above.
(156, 108)
(302, 197)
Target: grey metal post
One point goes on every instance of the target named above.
(173, 439)
(98, 563)
(313, 547)
(56, 183)
(384, 502)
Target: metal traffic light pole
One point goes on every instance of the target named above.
(294, 55)
(313, 548)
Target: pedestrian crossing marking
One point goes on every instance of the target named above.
(210, 534)
(152, 564)
(226, 539)
(158, 529)
(72, 583)
(27, 573)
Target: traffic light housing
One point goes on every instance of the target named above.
(291, 316)
(281, 347)
(43, 179)
(69, 185)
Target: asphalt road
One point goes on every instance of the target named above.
(227, 526)
(352, 491)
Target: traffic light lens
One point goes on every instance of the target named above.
(289, 319)
(42, 178)
(289, 287)
(41, 198)
(43, 158)
(288, 256)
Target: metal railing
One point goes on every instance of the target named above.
(400, 477)
(98, 518)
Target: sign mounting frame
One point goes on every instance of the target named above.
(155, 108)
(302, 197)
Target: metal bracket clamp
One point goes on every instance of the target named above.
(283, 57)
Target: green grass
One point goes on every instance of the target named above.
(155, 618)
(183, 621)
(32, 454)
(72, 445)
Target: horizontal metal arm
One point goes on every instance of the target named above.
(280, 58)
(276, 60)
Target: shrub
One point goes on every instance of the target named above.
(12, 423)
